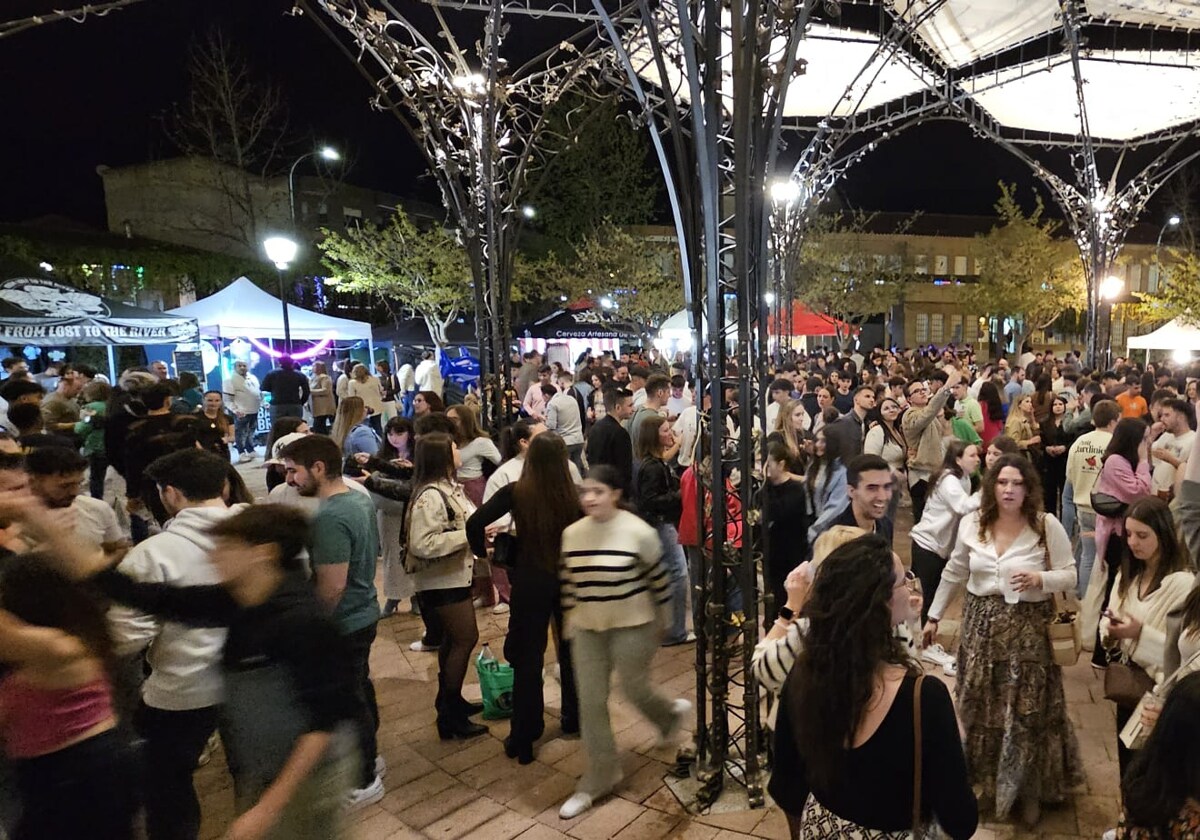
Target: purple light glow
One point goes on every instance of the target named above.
(315, 350)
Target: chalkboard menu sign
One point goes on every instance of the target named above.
(189, 360)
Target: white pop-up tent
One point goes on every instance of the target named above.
(243, 309)
(1173, 335)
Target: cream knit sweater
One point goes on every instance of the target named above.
(1149, 648)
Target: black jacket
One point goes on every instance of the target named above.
(658, 498)
(609, 443)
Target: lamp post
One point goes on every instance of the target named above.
(785, 193)
(1111, 288)
(282, 251)
(1172, 221)
(327, 153)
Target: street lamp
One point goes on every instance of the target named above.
(326, 153)
(1111, 287)
(1172, 221)
(785, 191)
(529, 211)
(282, 251)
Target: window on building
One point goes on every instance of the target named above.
(352, 217)
(960, 266)
(956, 329)
(971, 329)
(921, 264)
(1136, 277)
(937, 328)
(922, 329)
(323, 213)
(941, 265)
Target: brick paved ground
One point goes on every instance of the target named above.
(457, 789)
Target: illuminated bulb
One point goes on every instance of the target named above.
(1111, 288)
(45, 266)
(785, 191)
(1182, 356)
(769, 298)
(1174, 221)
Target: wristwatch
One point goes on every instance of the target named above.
(786, 614)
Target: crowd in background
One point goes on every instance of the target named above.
(183, 607)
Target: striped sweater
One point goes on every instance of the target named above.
(612, 574)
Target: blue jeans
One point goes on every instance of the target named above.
(1068, 512)
(243, 433)
(1087, 549)
(677, 572)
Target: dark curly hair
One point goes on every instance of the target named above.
(1031, 508)
(1164, 774)
(850, 635)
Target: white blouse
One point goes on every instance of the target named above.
(974, 563)
(877, 443)
(948, 503)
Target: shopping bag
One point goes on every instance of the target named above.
(496, 686)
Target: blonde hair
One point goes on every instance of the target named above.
(833, 539)
(350, 412)
(785, 427)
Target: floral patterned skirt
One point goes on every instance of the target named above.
(819, 823)
(1019, 741)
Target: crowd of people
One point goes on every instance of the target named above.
(165, 604)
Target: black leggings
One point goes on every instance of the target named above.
(456, 614)
(86, 790)
(927, 566)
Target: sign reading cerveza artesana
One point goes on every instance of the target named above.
(43, 311)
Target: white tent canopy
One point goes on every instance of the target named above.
(1173, 335)
(243, 309)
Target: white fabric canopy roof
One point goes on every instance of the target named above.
(1130, 93)
(243, 309)
(835, 56)
(1173, 335)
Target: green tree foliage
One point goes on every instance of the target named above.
(1178, 294)
(1027, 272)
(836, 270)
(423, 271)
(610, 262)
(599, 172)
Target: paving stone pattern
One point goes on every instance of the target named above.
(469, 789)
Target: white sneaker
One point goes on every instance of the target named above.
(937, 655)
(365, 796)
(576, 805)
(500, 609)
(245, 457)
(419, 646)
(681, 709)
(477, 603)
(380, 767)
(1111, 834)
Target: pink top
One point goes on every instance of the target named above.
(1119, 479)
(38, 721)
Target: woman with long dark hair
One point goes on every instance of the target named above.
(75, 776)
(427, 402)
(216, 429)
(1161, 791)
(826, 483)
(844, 736)
(1053, 462)
(437, 535)
(950, 500)
(658, 500)
(993, 411)
(1043, 398)
(1154, 579)
(1011, 557)
(1124, 476)
(542, 503)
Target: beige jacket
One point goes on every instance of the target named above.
(925, 435)
(431, 533)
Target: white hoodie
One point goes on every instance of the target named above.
(186, 661)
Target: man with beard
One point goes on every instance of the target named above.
(345, 546)
(56, 476)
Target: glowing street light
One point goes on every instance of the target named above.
(1111, 287)
(529, 211)
(785, 191)
(282, 251)
(769, 298)
(607, 303)
(330, 154)
(1173, 220)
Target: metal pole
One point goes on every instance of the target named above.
(287, 327)
(112, 366)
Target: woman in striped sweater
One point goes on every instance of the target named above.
(614, 595)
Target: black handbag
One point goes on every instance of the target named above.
(1106, 504)
(504, 550)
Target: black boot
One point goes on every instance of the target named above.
(452, 720)
(521, 750)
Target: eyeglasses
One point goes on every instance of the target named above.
(910, 582)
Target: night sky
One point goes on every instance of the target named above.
(76, 96)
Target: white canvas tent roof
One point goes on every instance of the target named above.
(243, 309)
(1173, 335)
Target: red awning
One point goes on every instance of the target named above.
(804, 322)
